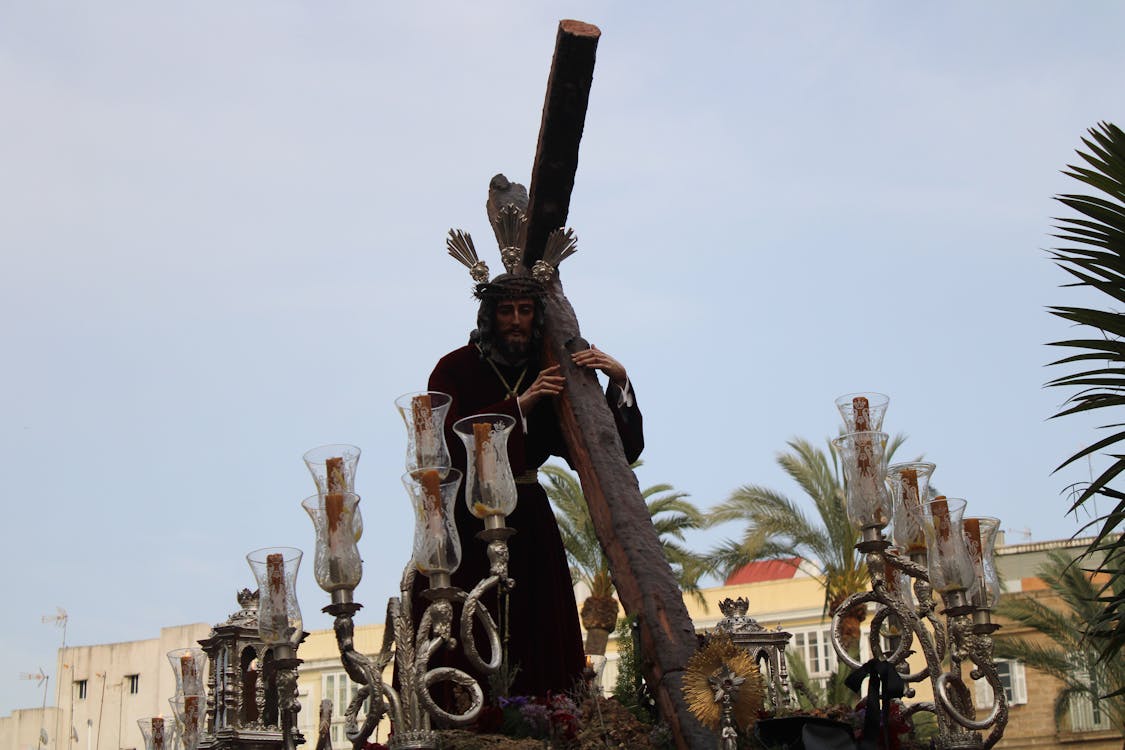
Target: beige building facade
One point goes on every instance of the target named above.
(104, 689)
(108, 687)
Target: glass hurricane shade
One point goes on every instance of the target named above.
(980, 539)
(490, 488)
(909, 485)
(337, 564)
(863, 455)
(950, 566)
(424, 414)
(433, 493)
(188, 665)
(189, 713)
(862, 412)
(279, 615)
(896, 582)
(158, 733)
(177, 722)
(333, 469)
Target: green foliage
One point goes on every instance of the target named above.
(777, 528)
(1096, 260)
(671, 512)
(811, 695)
(1068, 656)
(629, 689)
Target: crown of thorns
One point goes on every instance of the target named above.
(510, 225)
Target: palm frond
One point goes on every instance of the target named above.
(774, 526)
(1068, 653)
(671, 512)
(1095, 258)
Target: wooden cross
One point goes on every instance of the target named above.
(643, 578)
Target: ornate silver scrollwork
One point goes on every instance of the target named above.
(412, 707)
(954, 638)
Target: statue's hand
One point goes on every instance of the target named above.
(599, 360)
(549, 383)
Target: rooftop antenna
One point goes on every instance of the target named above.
(59, 619)
(42, 679)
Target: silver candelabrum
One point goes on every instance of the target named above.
(280, 628)
(934, 548)
(432, 485)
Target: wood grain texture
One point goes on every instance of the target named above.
(560, 132)
(643, 578)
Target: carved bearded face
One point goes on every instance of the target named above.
(514, 318)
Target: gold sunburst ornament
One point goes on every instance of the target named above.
(721, 667)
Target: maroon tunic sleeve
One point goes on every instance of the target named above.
(475, 390)
(629, 423)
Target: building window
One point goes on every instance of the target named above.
(815, 649)
(1086, 713)
(134, 682)
(1012, 678)
(80, 687)
(339, 689)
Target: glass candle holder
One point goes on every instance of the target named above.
(337, 565)
(863, 455)
(177, 724)
(279, 615)
(188, 665)
(333, 469)
(490, 488)
(980, 539)
(437, 548)
(862, 412)
(157, 733)
(948, 560)
(424, 414)
(896, 582)
(189, 713)
(909, 485)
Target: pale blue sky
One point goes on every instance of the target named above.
(223, 235)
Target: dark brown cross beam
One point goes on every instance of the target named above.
(641, 574)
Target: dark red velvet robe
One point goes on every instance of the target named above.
(545, 637)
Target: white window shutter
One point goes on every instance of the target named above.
(1019, 683)
(984, 693)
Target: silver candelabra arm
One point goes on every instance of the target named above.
(932, 641)
(412, 646)
(853, 601)
(366, 673)
(288, 707)
(900, 643)
(924, 596)
(436, 631)
(978, 649)
(474, 610)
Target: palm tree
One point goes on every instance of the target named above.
(1067, 656)
(672, 514)
(1097, 260)
(777, 528)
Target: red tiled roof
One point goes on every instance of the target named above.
(765, 570)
